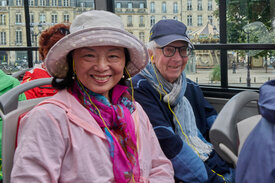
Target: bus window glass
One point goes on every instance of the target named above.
(13, 61)
(250, 68)
(250, 22)
(203, 67)
(247, 22)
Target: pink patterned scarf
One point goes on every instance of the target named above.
(119, 128)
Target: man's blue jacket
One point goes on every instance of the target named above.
(187, 165)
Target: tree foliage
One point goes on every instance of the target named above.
(243, 12)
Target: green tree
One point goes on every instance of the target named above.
(242, 12)
(256, 14)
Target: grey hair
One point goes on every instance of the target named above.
(152, 45)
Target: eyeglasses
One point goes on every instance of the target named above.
(170, 51)
(63, 31)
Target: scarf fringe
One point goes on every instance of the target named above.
(204, 149)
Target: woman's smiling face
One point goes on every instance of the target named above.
(99, 68)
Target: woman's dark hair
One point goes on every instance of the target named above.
(123, 80)
(67, 82)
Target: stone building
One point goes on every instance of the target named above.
(138, 17)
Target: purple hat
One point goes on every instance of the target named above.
(167, 31)
(96, 28)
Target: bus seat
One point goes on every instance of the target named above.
(224, 134)
(244, 127)
(20, 74)
(10, 111)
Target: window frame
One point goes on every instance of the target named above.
(175, 7)
(199, 7)
(199, 20)
(18, 37)
(152, 7)
(222, 91)
(163, 7)
(210, 5)
(3, 38)
(18, 18)
(3, 19)
(189, 20)
(54, 18)
(66, 17)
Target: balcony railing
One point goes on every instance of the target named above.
(141, 10)
(118, 10)
(130, 10)
(3, 9)
(142, 25)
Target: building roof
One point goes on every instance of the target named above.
(207, 30)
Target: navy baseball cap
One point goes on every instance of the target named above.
(167, 31)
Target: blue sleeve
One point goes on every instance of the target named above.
(210, 113)
(188, 167)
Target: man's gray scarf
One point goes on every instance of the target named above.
(182, 109)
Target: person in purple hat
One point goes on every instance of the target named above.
(176, 107)
(92, 130)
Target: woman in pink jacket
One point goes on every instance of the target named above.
(92, 130)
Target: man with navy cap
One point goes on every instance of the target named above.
(180, 115)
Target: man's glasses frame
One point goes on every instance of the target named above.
(170, 51)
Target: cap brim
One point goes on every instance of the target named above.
(56, 61)
(165, 40)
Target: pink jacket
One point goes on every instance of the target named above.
(63, 143)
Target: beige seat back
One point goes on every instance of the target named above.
(223, 133)
(244, 128)
(11, 109)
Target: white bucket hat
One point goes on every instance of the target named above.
(96, 28)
